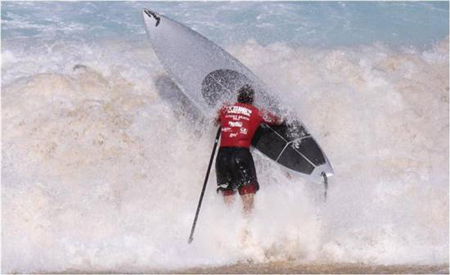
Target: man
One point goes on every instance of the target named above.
(235, 168)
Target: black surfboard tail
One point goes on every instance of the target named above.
(293, 147)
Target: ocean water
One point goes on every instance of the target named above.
(101, 173)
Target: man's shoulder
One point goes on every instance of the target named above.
(225, 105)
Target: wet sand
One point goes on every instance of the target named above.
(280, 268)
(332, 268)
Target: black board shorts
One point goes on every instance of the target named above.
(235, 170)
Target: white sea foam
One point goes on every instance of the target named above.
(101, 173)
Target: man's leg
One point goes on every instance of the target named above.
(228, 200)
(247, 180)
(247, 193)
(228, 196)
(247, 200)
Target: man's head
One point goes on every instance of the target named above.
(246, 94)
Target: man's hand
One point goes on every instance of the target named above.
(216, 121)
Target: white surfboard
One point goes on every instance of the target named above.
(209, 76)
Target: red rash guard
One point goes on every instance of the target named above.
(239, 123)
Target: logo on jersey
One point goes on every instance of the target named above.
(239, 110)
(234, 124)
(267, 118)
(243, 131)
(233, 135)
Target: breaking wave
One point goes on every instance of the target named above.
(103, 164)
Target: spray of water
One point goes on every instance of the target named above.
(102, 167)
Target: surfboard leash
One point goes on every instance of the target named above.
(325, 185)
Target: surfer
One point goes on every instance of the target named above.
(235, 168)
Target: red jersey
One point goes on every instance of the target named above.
(239, 123)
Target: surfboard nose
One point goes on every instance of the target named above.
(151, 18)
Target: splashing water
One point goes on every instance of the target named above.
(102, 172)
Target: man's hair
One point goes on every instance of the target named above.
(246, 94)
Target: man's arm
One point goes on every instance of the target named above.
(217, 118)
(270, 118)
